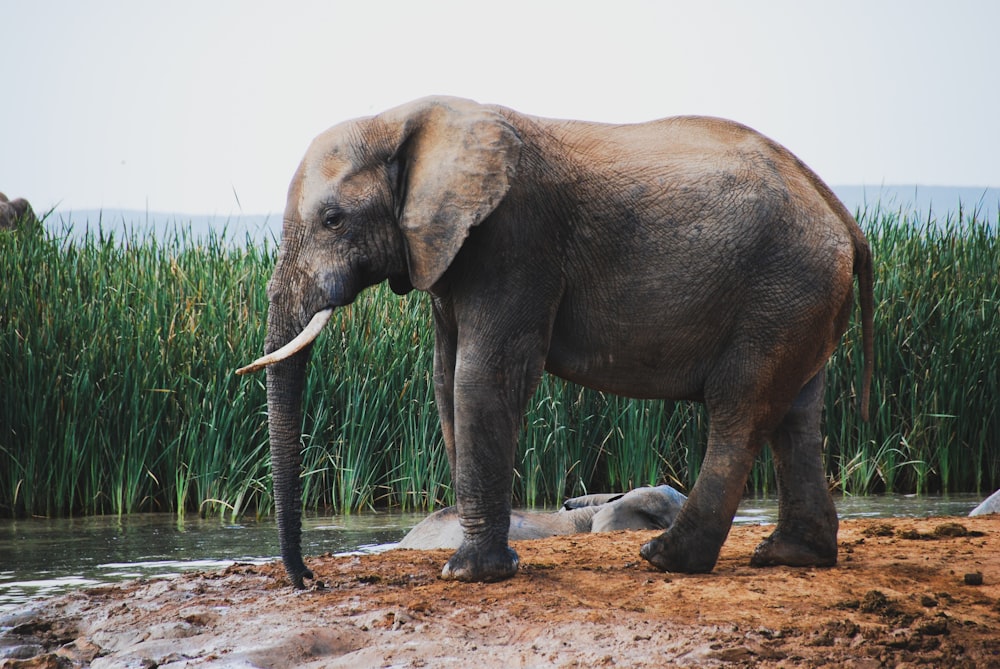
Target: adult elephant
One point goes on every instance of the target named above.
(686, 258)
(652, 508)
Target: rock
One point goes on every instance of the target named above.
(80, 652)
(47, 661)
(21, 651)
(974, 578)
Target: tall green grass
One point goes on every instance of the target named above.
(115, 370)
(935, 423)
(117, 352)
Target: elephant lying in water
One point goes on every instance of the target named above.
(640, 509)
(989, 505)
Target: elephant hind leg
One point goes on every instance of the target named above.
(744, 408)
(692, 544)
(806, 533)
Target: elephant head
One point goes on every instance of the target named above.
(386, 197)
(640, 509)
(14, 212)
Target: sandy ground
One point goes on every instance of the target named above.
(907, 592)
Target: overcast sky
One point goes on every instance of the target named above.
(186, 106)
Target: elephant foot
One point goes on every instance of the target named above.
(667, 554)
(778, 549)
(479, 564)
(298, 576)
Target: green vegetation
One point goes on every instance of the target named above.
(117, 359)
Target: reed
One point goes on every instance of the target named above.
(117, 351)
(937, 342)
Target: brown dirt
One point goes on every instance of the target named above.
(899, 597)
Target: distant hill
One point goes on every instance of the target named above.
(126, 223)
(939, 201)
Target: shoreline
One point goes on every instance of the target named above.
(899, 594)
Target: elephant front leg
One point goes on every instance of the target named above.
(484, 512)
(487, 419)
(444, 378)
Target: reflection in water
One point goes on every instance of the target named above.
(42, 557)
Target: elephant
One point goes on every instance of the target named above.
(13, 212)
(688, 258)
(651, 508)
(989, 505)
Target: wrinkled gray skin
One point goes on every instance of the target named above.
(686, 258)
(989, 505)
(639, 509)
(14, 212)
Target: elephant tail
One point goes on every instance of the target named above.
(863, 270)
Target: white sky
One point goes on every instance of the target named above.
(173, 106)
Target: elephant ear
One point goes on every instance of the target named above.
(456, 159)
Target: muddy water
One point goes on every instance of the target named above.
(44, 557)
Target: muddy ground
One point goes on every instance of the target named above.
(907, 592)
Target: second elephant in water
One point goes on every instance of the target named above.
(989, 505)
(640, 509)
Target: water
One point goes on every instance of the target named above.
(43, 557)
(762, 511)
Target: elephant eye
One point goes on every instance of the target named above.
(333, 220)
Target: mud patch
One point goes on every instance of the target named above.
(584, 600)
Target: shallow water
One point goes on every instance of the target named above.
(45, 557)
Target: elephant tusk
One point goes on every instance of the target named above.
(302, 340)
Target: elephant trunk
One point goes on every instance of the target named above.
(285, 384)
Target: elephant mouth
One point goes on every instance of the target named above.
(303, 339)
